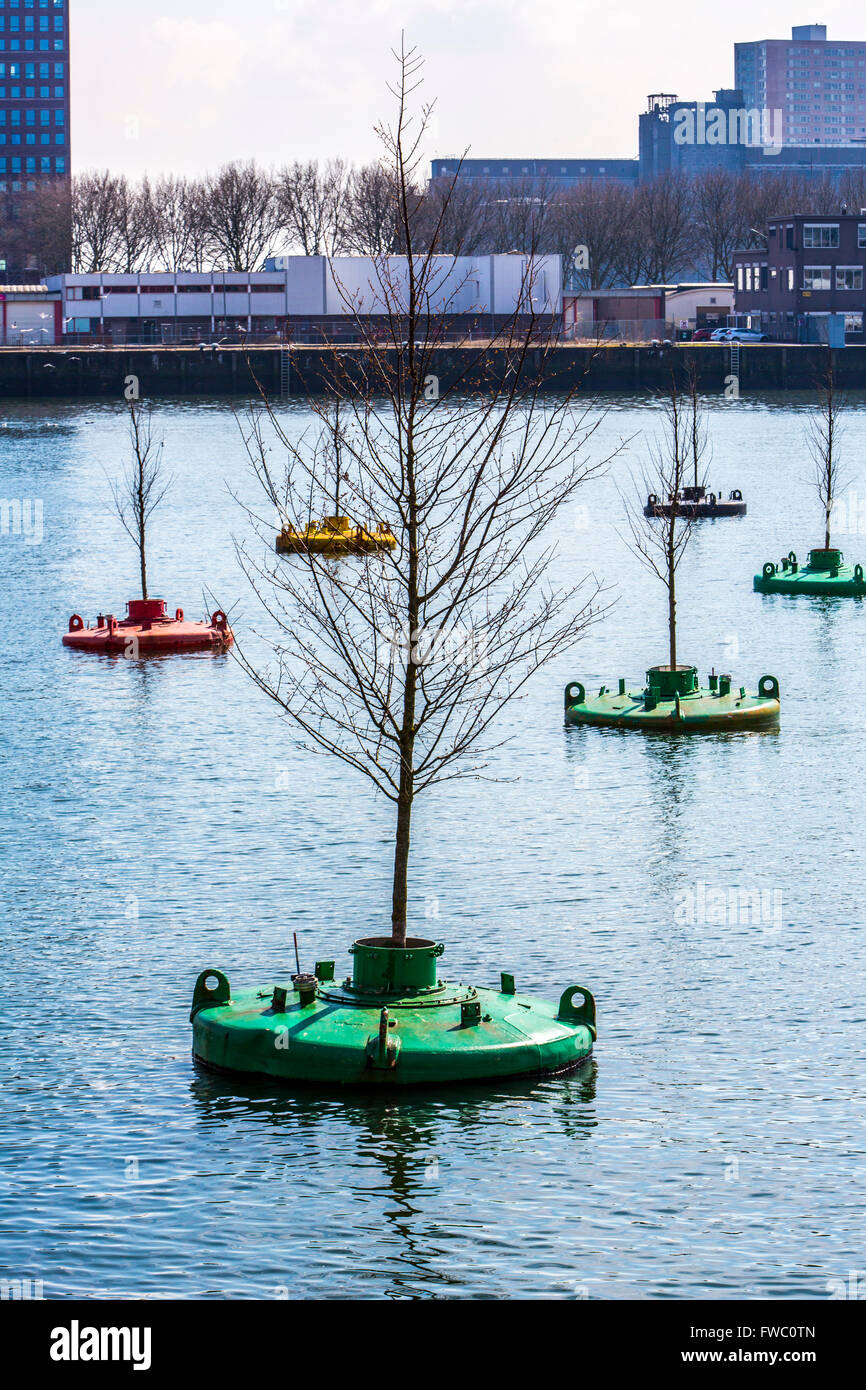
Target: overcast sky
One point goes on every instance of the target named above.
(187, 85)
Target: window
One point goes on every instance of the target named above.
(853, 323)
(849, 277)
(816, 277)
(790, 277)
(739, 277)
(820, 235)
(748, 277)
(861, 235)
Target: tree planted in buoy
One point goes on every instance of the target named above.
(672, 700)
(398, 664)
(825, 574)
(148, 628)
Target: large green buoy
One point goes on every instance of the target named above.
(825, 575)
(393, 1022)
(673, 701)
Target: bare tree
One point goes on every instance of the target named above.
(96, 234)
(135, 226)
(659, 541)
(599, 217)
(242, 215)
(180, 237)
(664, 215)
(369, 217)
(310, 199)
(719, 226)
(823, 436)
(143, 485)
(398, 664)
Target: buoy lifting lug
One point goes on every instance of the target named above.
(470, 1013)
(584, 1012)
(383, 1048)
(205, 997)
(506, 983)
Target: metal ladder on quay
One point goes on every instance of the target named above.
(285, 372)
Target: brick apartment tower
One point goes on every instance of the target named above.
(34, 121)
(820, 87)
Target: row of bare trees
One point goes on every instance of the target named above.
(657, 231)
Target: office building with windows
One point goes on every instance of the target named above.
(818, 85)
(34, 108)
(813, 268)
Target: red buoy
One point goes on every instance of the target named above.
(147, 629)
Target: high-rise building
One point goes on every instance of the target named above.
(34, 108)
(819, 86)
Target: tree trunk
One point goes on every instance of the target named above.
(672, 610)
(400, 896)
(143, 559)
(827, 529)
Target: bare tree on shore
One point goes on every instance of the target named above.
(310, 202)
(242, 215)
(398, 664)
(369, 220)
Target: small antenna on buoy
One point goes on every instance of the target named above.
(297, 957)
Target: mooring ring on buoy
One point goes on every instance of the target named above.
(178, 615)
(76, 622)
(219, 619)
(736, 495)
(575, 699)
(858, 574)
(652, 500)
(769, 570)
(792, 557)
(712, 499)
(768, 688)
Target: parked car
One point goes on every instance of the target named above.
(720, 335)
(702, 335)
(747, 335)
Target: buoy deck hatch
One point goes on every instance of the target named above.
(673, 701)
(393, 1022)
(148, 628)
(825, 575)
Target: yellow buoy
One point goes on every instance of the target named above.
(335, 535)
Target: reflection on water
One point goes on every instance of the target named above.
(157, 818)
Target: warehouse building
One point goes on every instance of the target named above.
(300, 298)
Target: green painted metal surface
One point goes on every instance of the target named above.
(826, 575)
(391, 1023)
(673, 701)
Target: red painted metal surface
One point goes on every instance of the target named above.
(146, 630)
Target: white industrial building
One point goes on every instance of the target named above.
(302, 298)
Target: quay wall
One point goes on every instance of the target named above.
(41, 374)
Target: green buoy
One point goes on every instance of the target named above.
(673, 701)
(394, 1022)
(826, 575)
